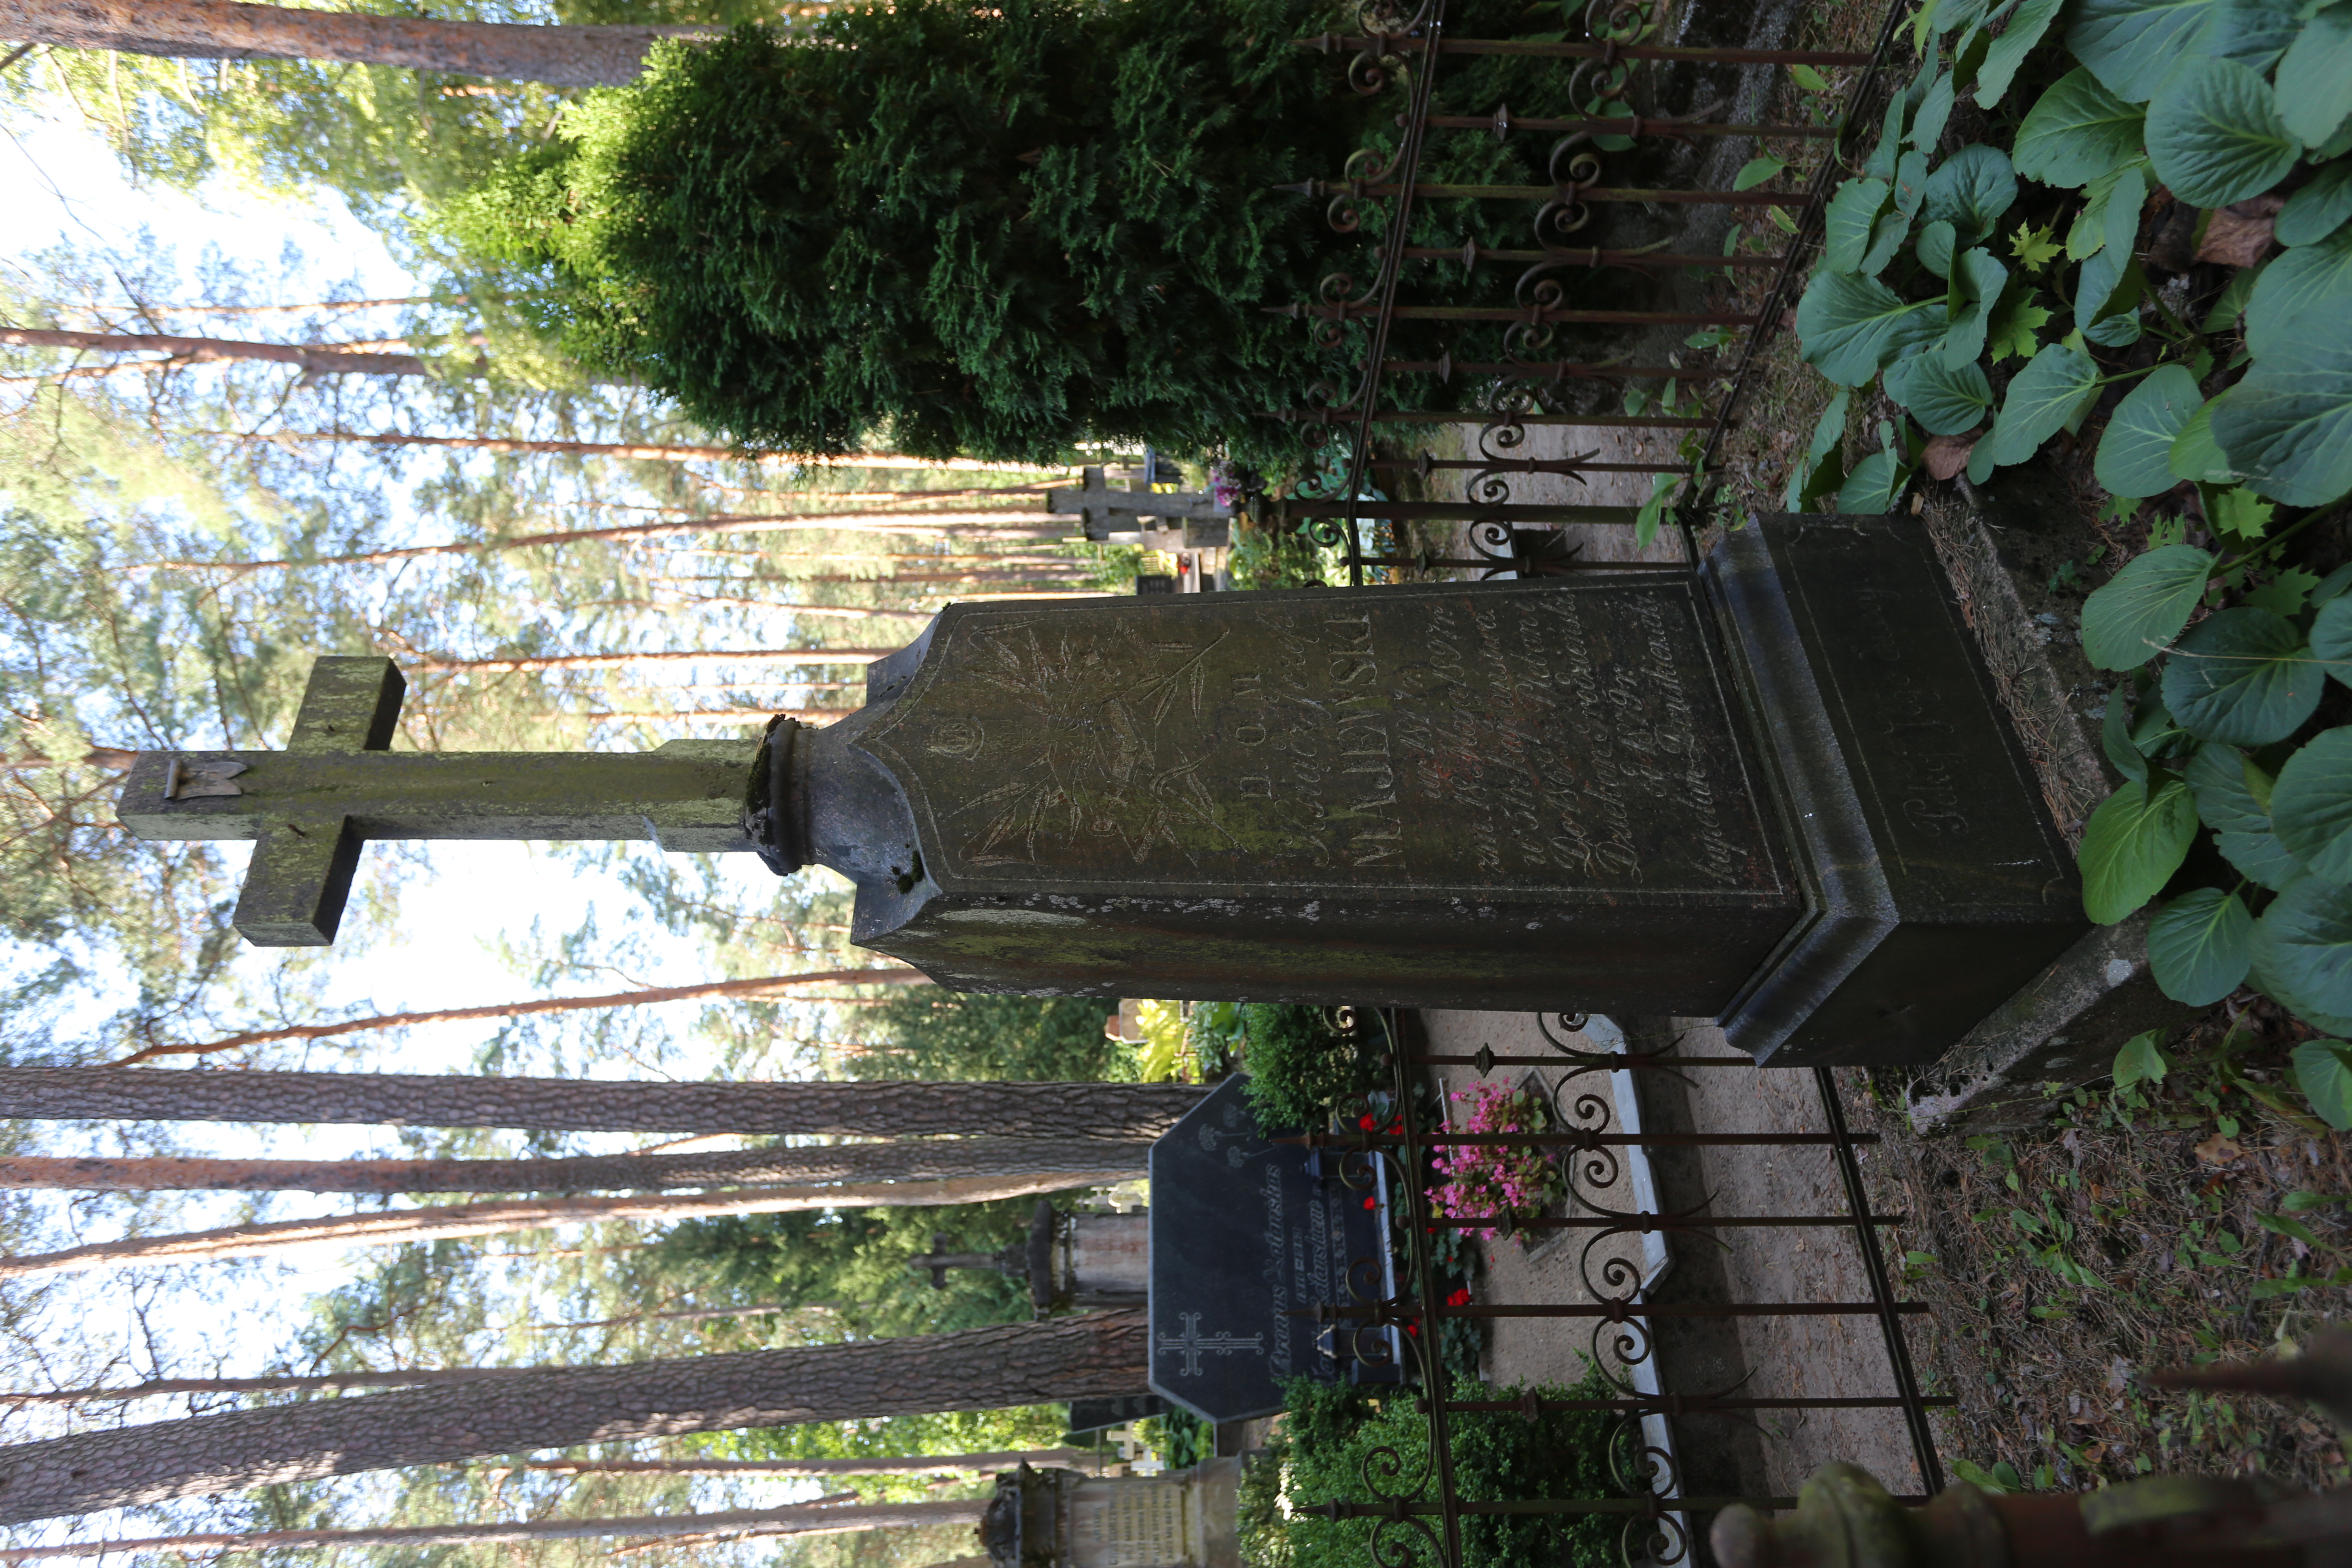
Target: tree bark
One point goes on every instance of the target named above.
(1121, 1112)
(311, 359)
(795, 1519)
(900, 1160)
(758, 985)
(798, 656)
(442, 1222)
(916, 1465)
(217, 30)
(640, 452)
(314, 1382)
(1098, 1356)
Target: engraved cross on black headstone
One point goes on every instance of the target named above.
(338, 784)
(1193, 1344)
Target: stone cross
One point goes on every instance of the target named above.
(1193, 1344)
(309, 807)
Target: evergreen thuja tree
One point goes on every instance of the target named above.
(985, 230)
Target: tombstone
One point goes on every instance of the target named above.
(1081, 1260)
(1248, 1238)
(1061, 1519)
(1780, 793)
(1095, 1415)
(1173, 522)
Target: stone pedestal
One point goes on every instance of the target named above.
(1779, 794)
(1061, 1519)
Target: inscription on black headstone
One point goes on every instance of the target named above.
(1242, 1239)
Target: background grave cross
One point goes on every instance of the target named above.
(1108, 512)
(309, 807)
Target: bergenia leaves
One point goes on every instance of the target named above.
(2201, 945)
(2314, 79)
(2132, 846)
(2132, 46)
(2288, 425)
(2143, 608)
(2242, 677)
(2118, 227)
(1846, 223)
(2136, 454)
(2310, 281)
(1935, 110)
(2331, 633)
(2312, 805)
(1981, 280)
(2053, 389)
(2008, 52)
(2197, 456)
(1945, 402)
(2302, 949)
(1972, 190)
(2319, 208)
(2225, 801)
(1934, 247)
(1851, 326)
(2076, 132)
(2215, 136)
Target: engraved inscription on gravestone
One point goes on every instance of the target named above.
(1244, 1243)
(1451, 788)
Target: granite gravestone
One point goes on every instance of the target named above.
(1246, 1240)
(1779, 793)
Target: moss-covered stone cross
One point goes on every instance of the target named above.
(337, 783)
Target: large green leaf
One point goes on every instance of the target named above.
(2131, 46)
(2197, 456)
(2322, 1071)
(1851, 326)
(2288, 425)
(1934, 247)
(2244, 677)
(2140, 611)
(2095, 283)
(2217, 777)
(2314, 79)
(2132, 846)
(2200, 946)
(2303, 948)
(2319, 208)
(2116, 740)
(1972, 190)
(1982, 279)
(2215, 136)
(2260, 858)
(2008, 52)
(2045, 397)
(2076, 132)
(1880, 164)
(2312, 805)
(1945, 402)
(2310, 280)
(1876, 481)
(1935, 109)
(2136, 454)
(2331, 634)
(1846, 222)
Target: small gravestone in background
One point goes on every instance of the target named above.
(1247, 1241)
(1061, 1519)
(1780, 793)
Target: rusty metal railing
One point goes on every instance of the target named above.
(1510, 352)
(1418, 1510)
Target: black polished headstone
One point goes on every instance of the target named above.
(1244, 1244)
(1094, 1414)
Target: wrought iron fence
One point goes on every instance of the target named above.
(1513, 354)
(1418, 1511)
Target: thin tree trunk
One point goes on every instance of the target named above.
(814, 717)
(915, 1464)
(898, 1160)
(794, 1519)
(1096, 1355)
(797, 655)
(314, 1382)
(755, 986)
(640, 452)
(217, 30)
(323, 359)
(882, 1107)
(321, 307)
(443, 1221)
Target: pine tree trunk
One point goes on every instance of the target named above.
(310, 359)
(443, 1221)
(900, 1160)
(796, 1519)
(1098, 1356)
(757, 986)
(216, 29)
(883, 1109)
(636, 451)
(793, 655)
(915, 1464)
(311, 1383)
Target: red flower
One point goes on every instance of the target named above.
(1413, 1328)
(1371, 1203)
(1460, 1298)
(1397, 1130)
(1365, 1121)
